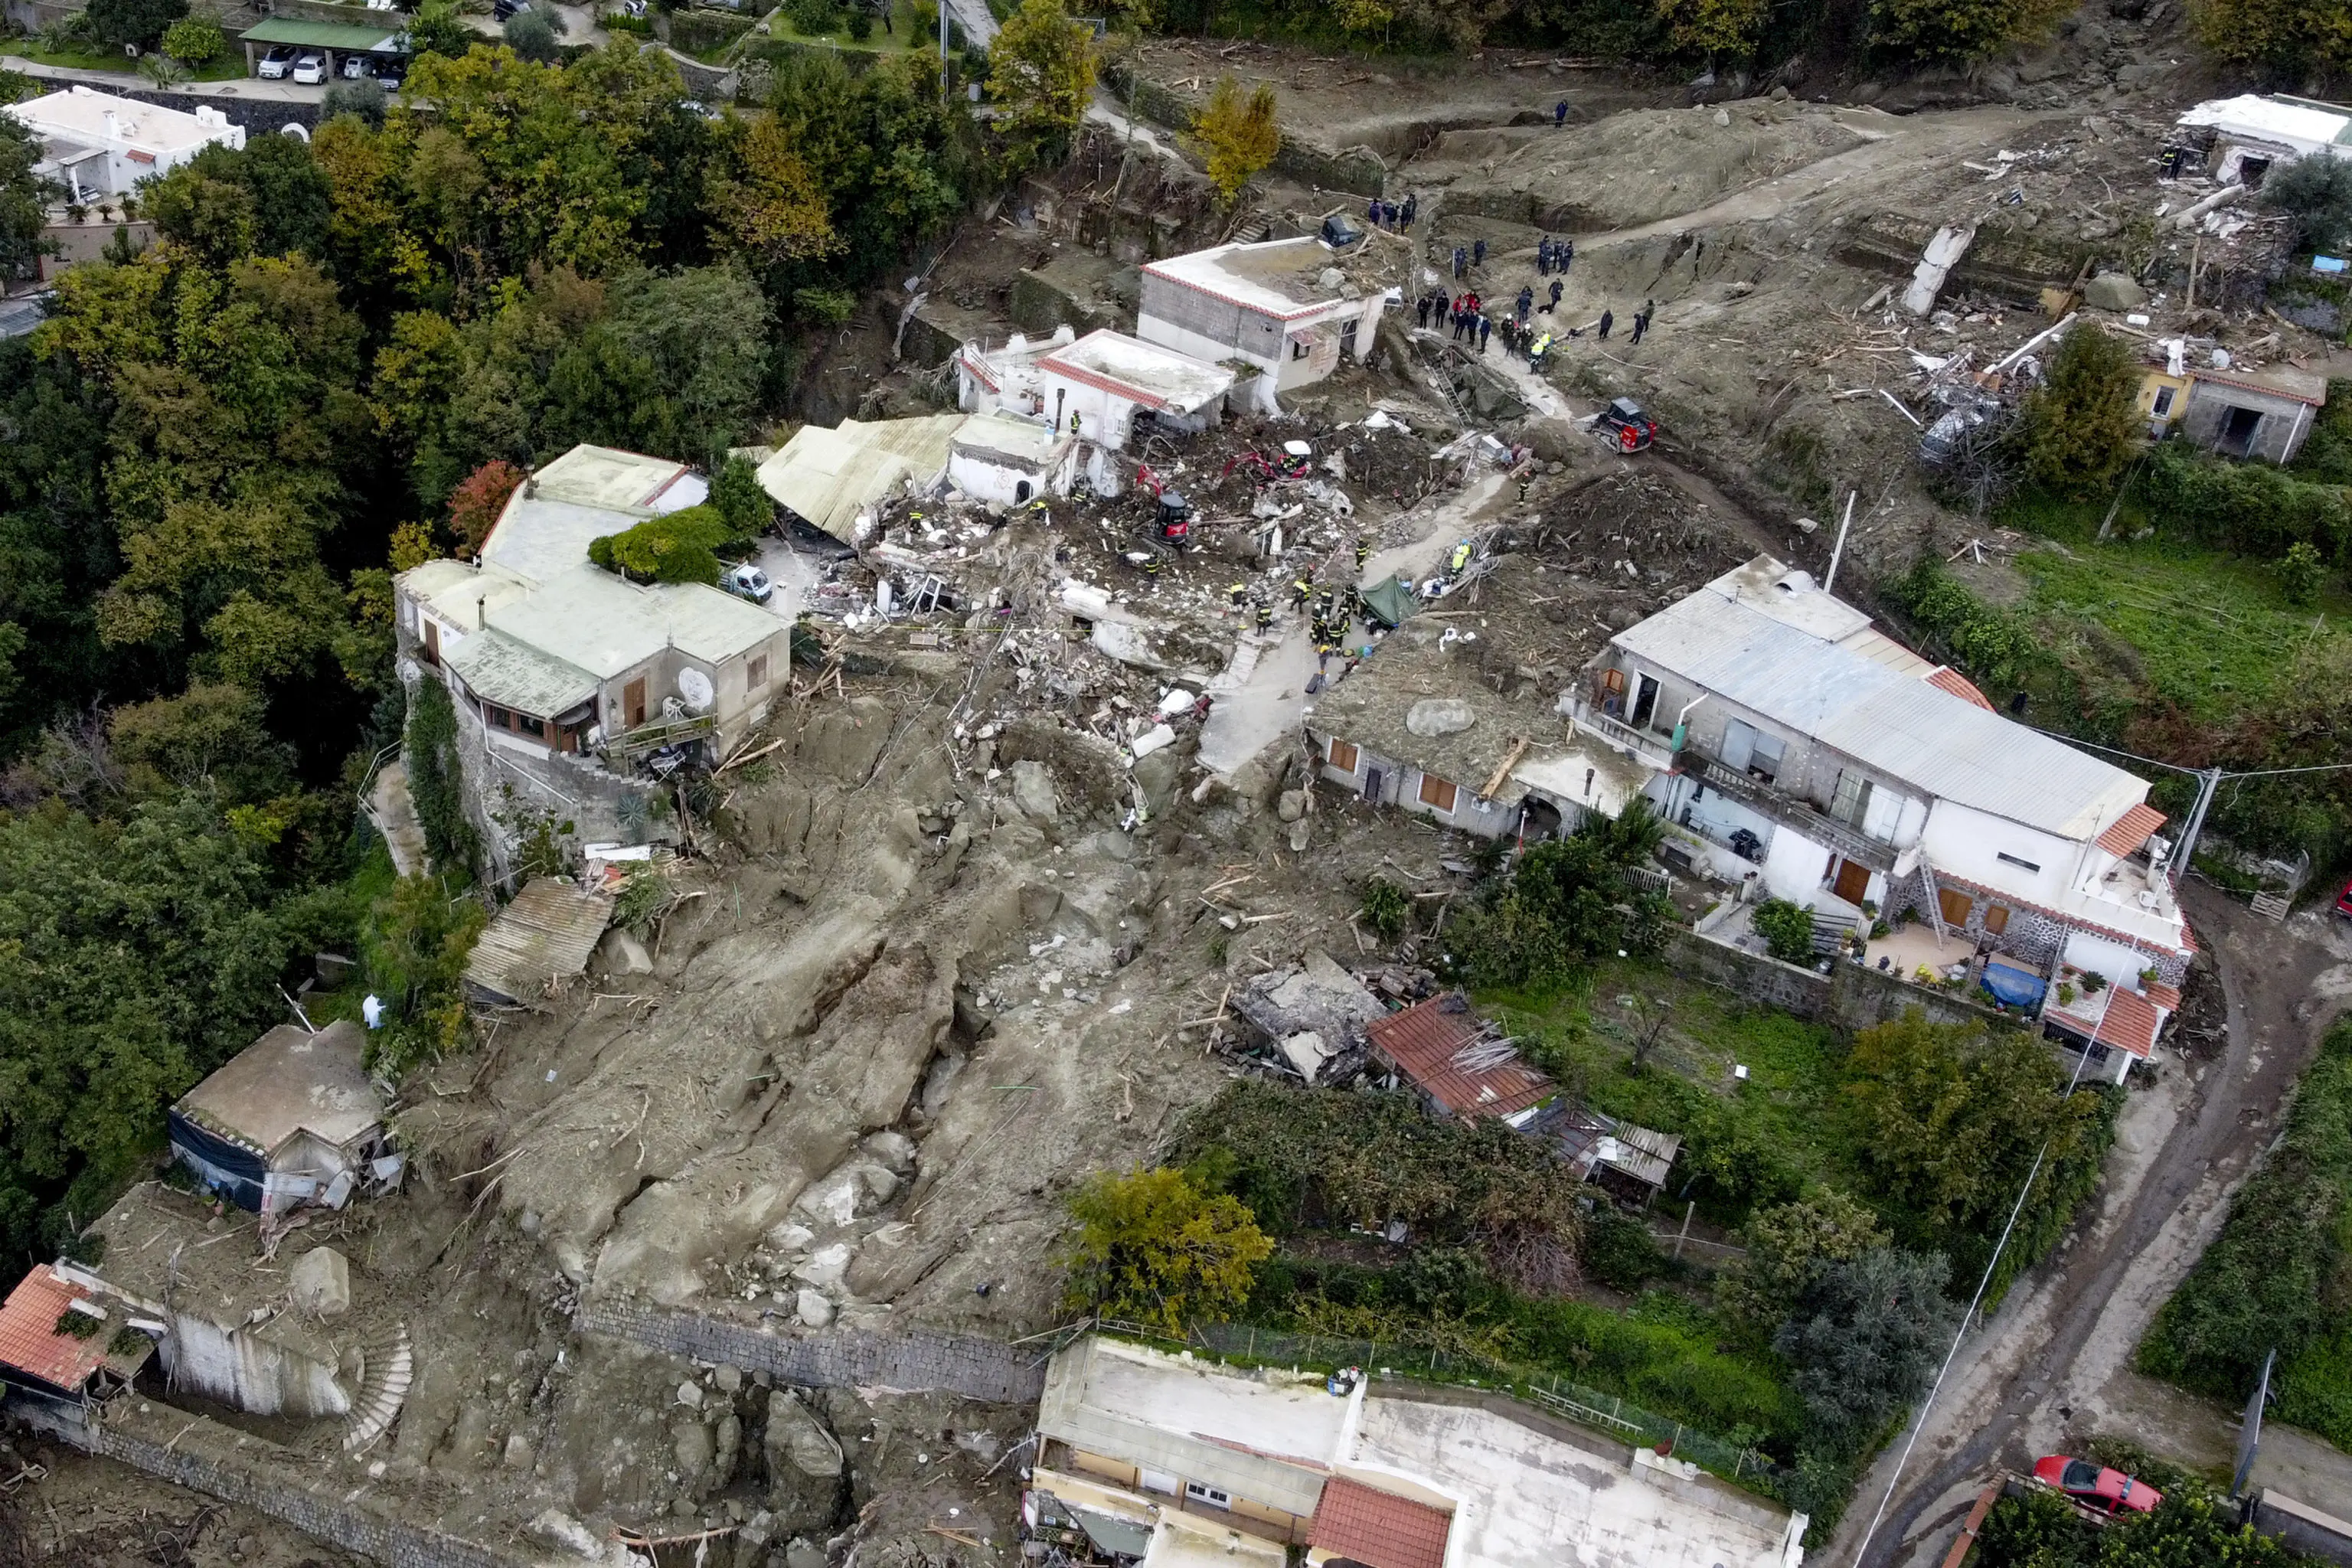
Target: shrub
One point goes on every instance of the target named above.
(1788, 1248)
(436, 783)
(861, 23)
(1619, 1250)
(364, 98)
(742, 504)
(115, 22)
(814, 18)
(1863, 1339)
(475, 505)
(198, 40)
(678, 547)
(830, 306)
(2301, 573)
(532, 36)
(415, 953)
(2253, 508)
(1566, 903)
(1153, 1248)
(1959, 30)
(2297, 40)
(1787, 930)
(1386, 908)
(1993, 645)
(2318, 193)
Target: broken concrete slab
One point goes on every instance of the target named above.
(320, 1281)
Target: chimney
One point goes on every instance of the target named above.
(113, 126)
(481, 615)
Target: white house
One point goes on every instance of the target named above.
(1183, 1463)
(2254, 132)
(292, 1118)
(1286, 308)
(1106, 393)
(95, 144)
(1846, 770)
(558, 664)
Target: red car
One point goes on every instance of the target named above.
(2094, 1486)
(2343, 900)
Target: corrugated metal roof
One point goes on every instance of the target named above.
(301, 34)
(29, 1340)
(549, 931)
(1909, 730)
(2131, 830)
(501, 669)
(828, 477)
(1378, 1529)
(1944, 677)
(1421, 1042)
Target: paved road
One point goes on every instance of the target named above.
(248, 88)
(2053, 1366)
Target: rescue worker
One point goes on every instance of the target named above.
(1526, 303)
(1565, 255)
(1457, 561)
(1478, 254)
(1264, 617)
(1461, 262)
(1073, 421)
(1323, 602)
(1543, 257)
(1536, 351)
(1559, 114)
(1641, 325)
(1237, 596)
(1486, 329)
(1412, 206)
(1363, 550)
(1301, 591)
(1558, 288)
(1607, 321)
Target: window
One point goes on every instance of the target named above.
(1955, 906)
(1299, 348)
(2163, 401)
(1850, 800)
(755, 673)
(1764, 759)
(495, 716)
(530, 726)
(1343, 755)
(1436, 793)
(2004, 856)
(1209, 1495)
(1996, 919)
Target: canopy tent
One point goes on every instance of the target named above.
(1391, 603)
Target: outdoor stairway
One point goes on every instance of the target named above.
(386, 1368)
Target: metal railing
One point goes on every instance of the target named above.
(1617, 733)
(1545, 1392)
(1822, 829)
(662, 733)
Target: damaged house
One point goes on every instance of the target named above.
(1458, 1063)
(1285, 308)
(1092, 398)
(2261, 415)
(50, 1368)
(2255, 132)
(1803, 753)
(290, 1120)
(1315, 1015)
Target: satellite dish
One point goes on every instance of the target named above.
(694, 689)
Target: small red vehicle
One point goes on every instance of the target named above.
(1623, 423)
(2344, 902)
(2094, 1486)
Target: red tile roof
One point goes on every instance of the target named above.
(2164, 996)
(30, 1341)
(2074, 923)
(1944, 677)
(2128, 1024)
(1377, 1528)
(2131, 829)
(1421, 1042)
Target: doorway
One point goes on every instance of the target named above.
(633, 702)
(1374, 781)
(2238, 432)
(1645, 703)
(1853, 881)
(1348, 341)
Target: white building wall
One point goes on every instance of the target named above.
(2104, 956)
(1794, 866)
(1969, 845)
(240, 1369)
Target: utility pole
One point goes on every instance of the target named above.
(2208, 780)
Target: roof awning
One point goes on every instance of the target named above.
(499, 669)
(318, 35)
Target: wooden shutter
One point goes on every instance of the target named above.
(1343, 755)
(1956, 906)
(1436, 793)
(1997, 918)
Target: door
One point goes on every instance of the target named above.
(633, 702)
(1853, 881)
(1955, 905)
(1348, 341)
(432, 640)
(1374, 781)
(1645, 703)
(2238, 431)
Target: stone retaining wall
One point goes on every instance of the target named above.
(1850, 998)
(913, 1360)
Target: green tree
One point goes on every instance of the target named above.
(141, 22)
(1566, 903)
(1041, 73)
(22, 212)
(198, 40)
(1237, 133)
(2082, 425)
(1961, 30)
(2317, 193)
(210, 735)
(1789, 1246)
(532, 36)
(440, 30)
(1863, 1340)
(2302, 574)
(677, 547)
(417, 942)
(2297, 39)
(1729, 28)
(1153, 1248)
(736, 493)
(364, 99)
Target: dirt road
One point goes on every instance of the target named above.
(2054, 1365)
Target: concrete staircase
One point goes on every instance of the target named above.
(386, 1368)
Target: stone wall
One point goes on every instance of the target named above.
(1850, 998)
(912, 1360)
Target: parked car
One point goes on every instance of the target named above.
(505, 9)
(355, 66)
(1624, 424)
(2094, 1486)
(310, 68)
(2344, 902)
(276, 63)
(747, 581)
(391, 73)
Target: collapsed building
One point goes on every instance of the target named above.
(1287, 310)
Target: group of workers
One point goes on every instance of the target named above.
(1464, 313)
(1392, 216)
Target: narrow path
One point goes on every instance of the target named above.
(2070, 1328)
(394, 816)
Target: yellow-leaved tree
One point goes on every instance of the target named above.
(1153, 1248)
(1237, 133)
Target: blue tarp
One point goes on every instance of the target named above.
(2013, 987)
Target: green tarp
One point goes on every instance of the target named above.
(1391, 603)
(307, 35)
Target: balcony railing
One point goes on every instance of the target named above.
(1655, 750)
(662, 733)
(1824, 831)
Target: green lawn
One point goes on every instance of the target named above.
(908, 35)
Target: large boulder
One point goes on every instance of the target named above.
(2114, 292)
(1434, 715)
(805, 1467)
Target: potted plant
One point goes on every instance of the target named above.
(2147, 977)
(76, 212)
(2094, 983)
(2065, 994)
